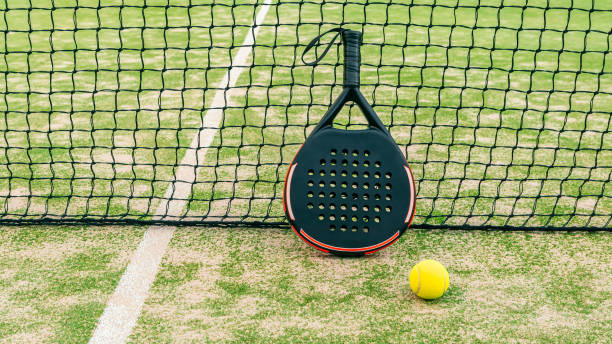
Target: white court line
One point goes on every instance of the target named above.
(125, 305)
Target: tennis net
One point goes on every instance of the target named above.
(184, 111)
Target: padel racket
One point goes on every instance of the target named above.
(349, 192)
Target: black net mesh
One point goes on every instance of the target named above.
(167, 110)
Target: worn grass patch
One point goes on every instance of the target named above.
(55, 281)
(247, 285)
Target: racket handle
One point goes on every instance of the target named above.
(352, 57)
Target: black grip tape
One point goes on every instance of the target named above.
(352, 57)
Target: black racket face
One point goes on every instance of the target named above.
(349, 192)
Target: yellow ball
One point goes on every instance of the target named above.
(429, 279)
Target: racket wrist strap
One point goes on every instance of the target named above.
(352, 57)
(352, 54)
(315, 42)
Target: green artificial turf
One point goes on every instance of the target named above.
(249, 285)
(55, 281)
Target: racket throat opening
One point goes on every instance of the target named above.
(350, 117)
